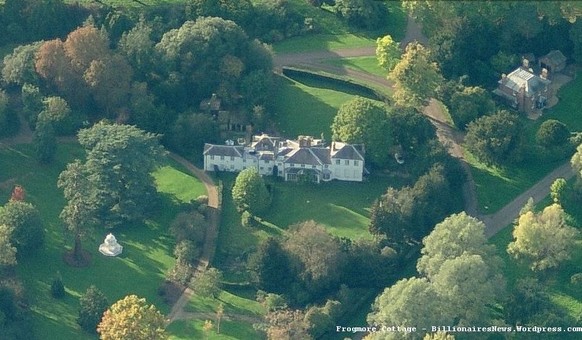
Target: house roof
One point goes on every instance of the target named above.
(323, 154)
(554, 57)
(223, 150)
(348, 151)
(303, 156)
(521, 78)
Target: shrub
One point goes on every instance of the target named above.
(93, 305)
(246, 219)
(180, 273)
(57, 288)
(552, 133)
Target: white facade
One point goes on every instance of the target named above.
(306, 158)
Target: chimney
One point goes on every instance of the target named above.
(544, 74)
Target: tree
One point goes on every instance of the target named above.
(387, 52)
(250, 192)
(109, 80)
(409, 128)
(366, 14)
(190, 131)
(470, 286)
(24, 219)
(496, 138)
(552, 133)
(207, 283)
(287, 325)
(416, 77)
(186, 252)
(32, 100)
(58, 113)
(132, 318)
(138, 47)
(409, 302)
(19, 65)
(470, 104)
(543, 239)
(527, 299)
(92, 306)
(219, 315)
(408, 214)
(189, 226)
(557, 190)
(120, 160)
(362, 121)
(270, 267)
(8, 254)
(44, 141)
(84, 45)
(317, 253)
(458, 234)
(79, 214)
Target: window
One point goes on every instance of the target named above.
(221, 158)
(326, 166)
(291, 165)
(267, 161)
(244, 167)
(244, 160)
(347, 162)
(303, 165)
(262, 168)
(232, 167)
(313, 166)
(232, 158)
(356, 163)
(337, 162)
(212, 157)
(269, 169)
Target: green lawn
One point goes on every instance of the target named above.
(229, 330)
(244, 303)
(139, 270)
(498, 186)
(342, 207)
(307, 107)
(362, 64)
(569, 108)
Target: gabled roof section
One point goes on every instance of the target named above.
(323, 154)
(303, 156)
(223, 150)
(348, 151)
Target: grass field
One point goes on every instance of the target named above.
(229, 330)
(569, 108)
(139, 270)
(307, 107)
(362, 64)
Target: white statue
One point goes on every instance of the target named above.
(110, 247)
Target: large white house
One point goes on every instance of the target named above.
(305, 158)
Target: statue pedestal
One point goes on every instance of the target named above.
(110, 247)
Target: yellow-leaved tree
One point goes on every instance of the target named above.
(131, 318)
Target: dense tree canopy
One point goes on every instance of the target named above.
(317, 253)
(543, 239)
(363, 121)
(27, 228)
(120, 159)
(495, 139)
(552, 133)
(19, 65)
(270, 267)
(8, 254)
(458, 234)
(132, 318)
(470, 103)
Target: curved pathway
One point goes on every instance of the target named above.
(209, 246)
